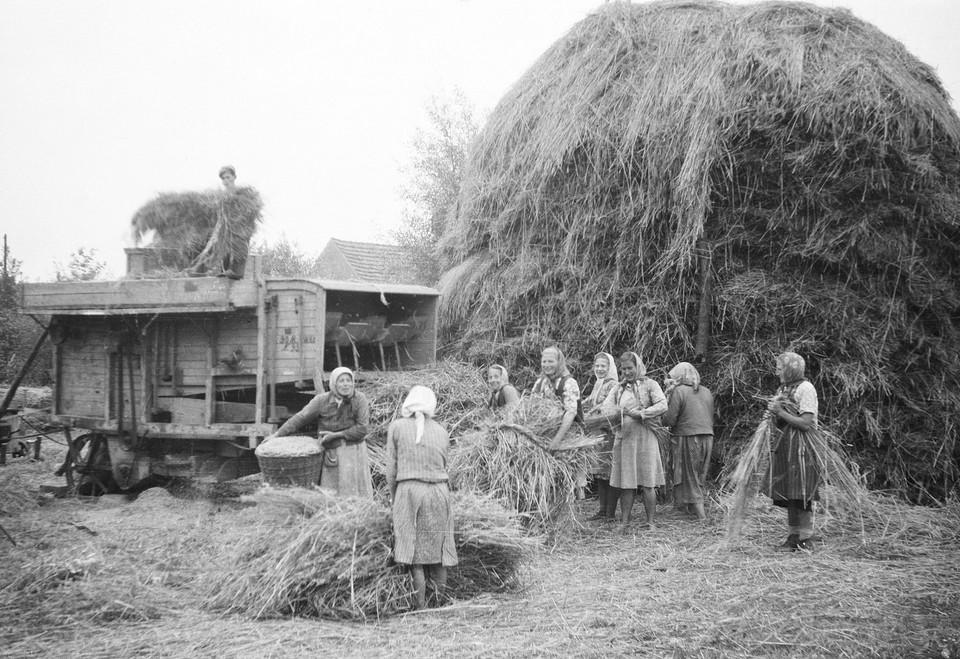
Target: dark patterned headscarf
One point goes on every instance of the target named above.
(793, 368)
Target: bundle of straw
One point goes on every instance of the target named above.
(207, 231)
(460, 389)
(331, 558)
(510, 460)
(844, 496)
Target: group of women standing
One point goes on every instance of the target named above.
(630, 409)
(635, 415)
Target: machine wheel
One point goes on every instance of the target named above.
(89, 472)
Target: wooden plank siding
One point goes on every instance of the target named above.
(208, 354)
(139, 296)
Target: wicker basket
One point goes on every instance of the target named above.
(291, 470)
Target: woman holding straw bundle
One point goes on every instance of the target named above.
(605, 370)
(793, 479)
(636, 450)
(343, 416)
(416, 470)
(502, 393)
(689, 416)
(555, 383)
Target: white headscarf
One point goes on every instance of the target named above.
(611, 375)
(421, 402)
(334, 376)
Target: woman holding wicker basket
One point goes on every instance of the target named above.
(343, 417)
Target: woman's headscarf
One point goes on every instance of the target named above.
(611, 375)
(641, 368)
(562, 370)
(335, 375)
(685, 373)
(421, 402)
(793, 368)
(503, 371)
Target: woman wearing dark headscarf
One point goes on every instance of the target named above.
(605, 370)
(343, 416)
(636, 450)
(555, 383)
(794, 478)
(502, 393)
(416, 471)
(689, 417)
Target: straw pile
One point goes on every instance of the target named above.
(331, 558)
(460, 389)
(509, 459)
(207, 231)
(844, 497)
(800, 186)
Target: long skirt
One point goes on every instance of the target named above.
(689, 452)
(346, 471)
(423, 524)
(636, 458)
(793, 475)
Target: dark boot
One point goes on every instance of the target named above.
(790, 544)
(805, 545)
(603, 493)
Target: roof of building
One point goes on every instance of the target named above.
(370, 262)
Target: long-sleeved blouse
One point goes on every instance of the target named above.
(351, 416)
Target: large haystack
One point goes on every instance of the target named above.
(792, 158)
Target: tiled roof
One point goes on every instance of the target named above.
(374, 262)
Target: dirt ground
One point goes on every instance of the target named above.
(125, 577)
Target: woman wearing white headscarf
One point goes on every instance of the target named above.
(416, 470)
(636, 450)
(689, 417)
(343, 416)
(555, 383)
(502, 393)
(605, 370)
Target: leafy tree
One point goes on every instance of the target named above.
(83, 266)
(284, 259)
(435, 172)
(18, 332)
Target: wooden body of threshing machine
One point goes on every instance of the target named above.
(184, 376)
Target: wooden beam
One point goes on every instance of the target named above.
(320, 343)
(261, 353)
(706, 294)
(211, 390)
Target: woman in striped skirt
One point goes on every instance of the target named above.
(416, 469)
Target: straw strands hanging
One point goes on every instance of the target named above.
(331, 558)
(845, 503)
(797, 158)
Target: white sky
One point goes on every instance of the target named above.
(105, 103)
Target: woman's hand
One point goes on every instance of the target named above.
(636, 414)
(774, 407)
